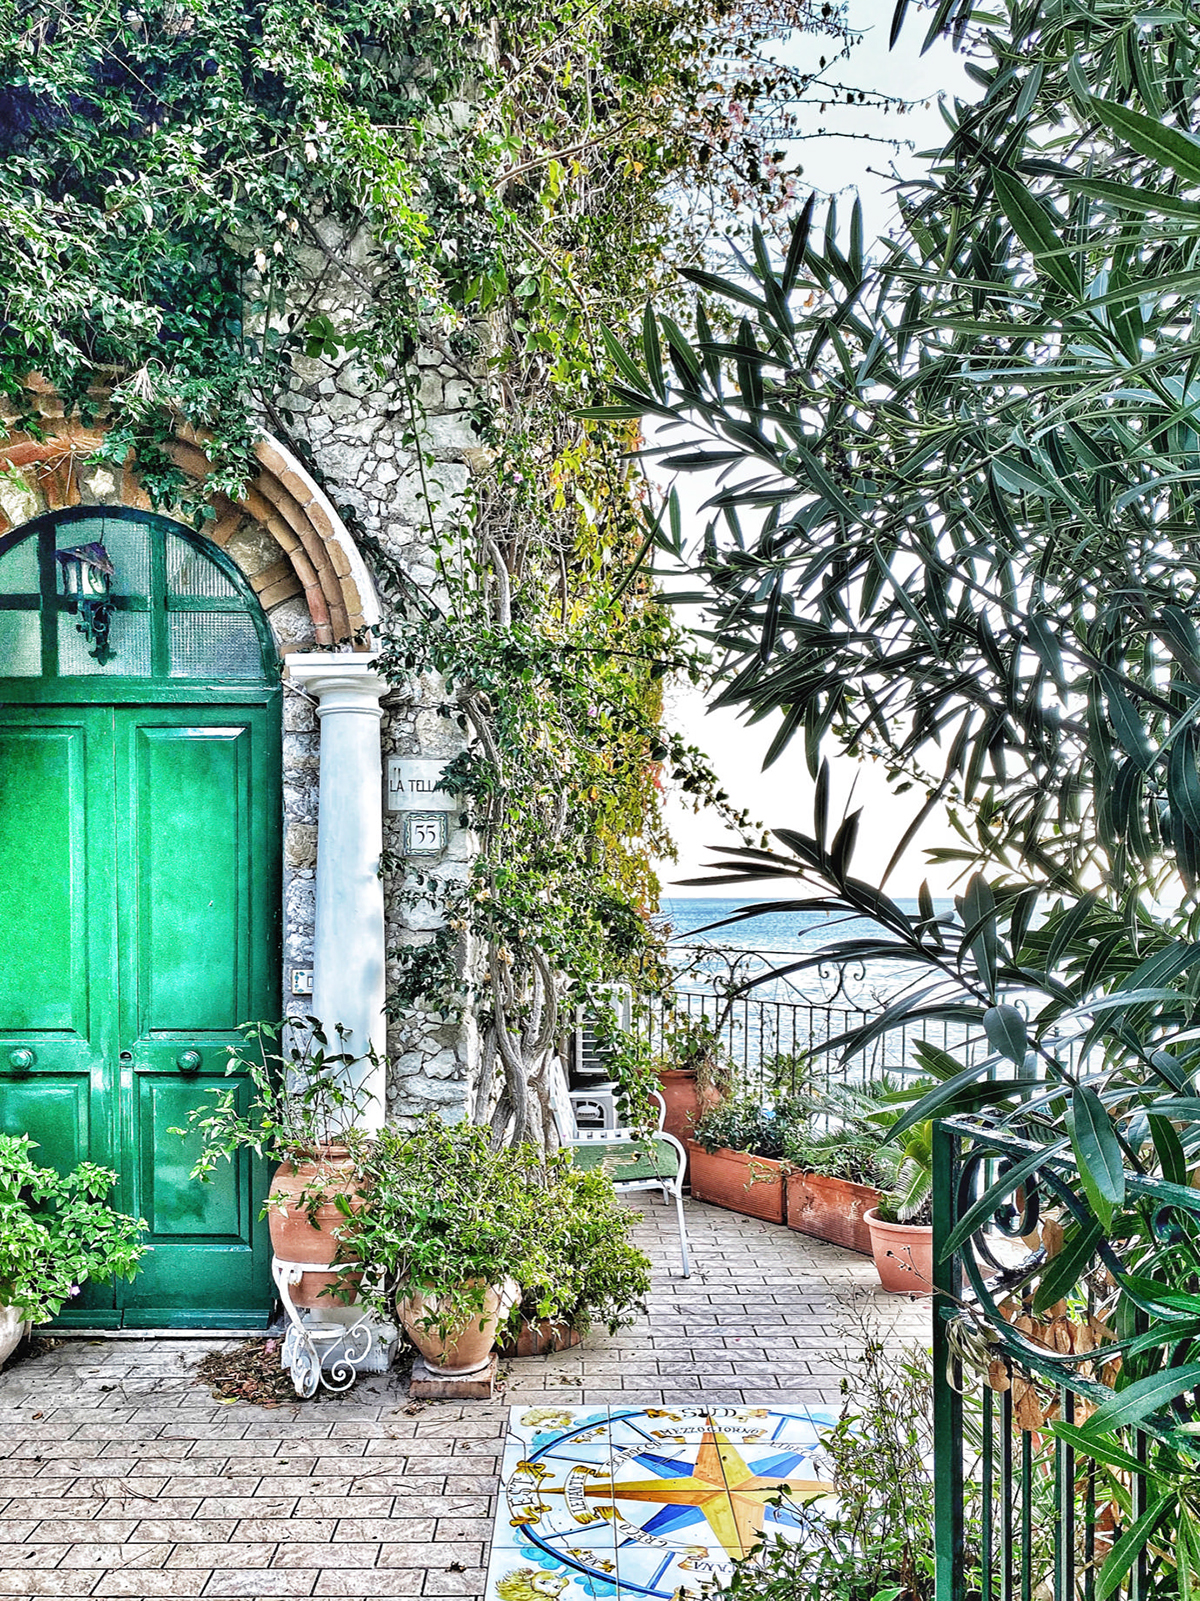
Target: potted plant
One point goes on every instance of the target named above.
(301, 1115)
(593, 1273)
(839, 1167)
(901, 1225)
(453, 1230)
(734, 1160)
(694, 1075)
(57, 1231)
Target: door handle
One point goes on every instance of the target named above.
(188, 1061)
(22, 1059)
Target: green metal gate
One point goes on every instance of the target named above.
(1043, 1329)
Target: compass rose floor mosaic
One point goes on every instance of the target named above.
(655, 1502)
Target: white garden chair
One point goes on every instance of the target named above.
(633, 1161)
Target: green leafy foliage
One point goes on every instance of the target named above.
(953, 527)
(873, 1540)
(58, 1231)
(301, 1097)
(445, 1214)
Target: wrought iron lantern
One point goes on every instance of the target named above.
(87, 585)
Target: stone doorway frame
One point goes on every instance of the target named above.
(296, 553)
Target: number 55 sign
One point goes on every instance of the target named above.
(425, 833)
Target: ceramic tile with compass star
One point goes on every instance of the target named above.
(654, 1502)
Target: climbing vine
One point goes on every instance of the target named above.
(189, 192)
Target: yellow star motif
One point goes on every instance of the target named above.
(731, 1495)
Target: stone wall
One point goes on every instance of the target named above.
(362, 437)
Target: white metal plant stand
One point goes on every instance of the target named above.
(308, 1346)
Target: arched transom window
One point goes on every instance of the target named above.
(123, 594)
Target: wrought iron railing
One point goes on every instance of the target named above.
(775, 1034)
(1027, 1508)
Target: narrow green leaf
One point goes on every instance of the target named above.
(652, 352)
(1007, 1033)
(1170, 1152)
(1099, 1450)
(1096, 1147)
(799, 243)
(1063, 1271)
(1150, 137)
(1035, 228)
(622, 361)
(976, 1216)
(1127, 725)
(723, 287)
(1127, 1549)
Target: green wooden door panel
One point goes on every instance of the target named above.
(197, 918)
(209, 1249)
(57, 924)
(55, 1110)
(174, 1205)
(51, 835)
(140, 825)
(191, 786)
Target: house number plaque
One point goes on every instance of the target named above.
(425, 833)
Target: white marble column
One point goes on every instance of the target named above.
(348, 954)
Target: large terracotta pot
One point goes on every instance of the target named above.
(831, 1209)
(298, 1237)
(686, 1103)
(465, 1349)
(738, 1181)
(539, 1339)
(903, 1255)
(13, 1329)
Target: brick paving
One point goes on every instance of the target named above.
(120, 1476)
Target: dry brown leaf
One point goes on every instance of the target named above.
(998, 1378)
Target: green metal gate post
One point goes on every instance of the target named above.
(949, 1577)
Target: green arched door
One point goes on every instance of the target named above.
(140, 807)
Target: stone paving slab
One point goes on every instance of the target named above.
(120, 1476)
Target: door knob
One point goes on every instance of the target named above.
(22, 1059)
(188, 1061)
(127, 1056)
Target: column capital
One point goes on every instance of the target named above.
(341, 681)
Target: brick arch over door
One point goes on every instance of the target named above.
(283, 532)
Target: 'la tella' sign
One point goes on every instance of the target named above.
(412, 786)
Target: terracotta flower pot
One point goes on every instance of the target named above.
(831, 1209)
(738, 1181)
(465, 1348)
(539, 1339)
(903, 1255)
(686, 1103)
(297, 1236)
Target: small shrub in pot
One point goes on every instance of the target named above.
(461, 1238)
(57, 1233)
(735, 1159)
(302, 1115)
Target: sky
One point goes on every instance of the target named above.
(782, 796)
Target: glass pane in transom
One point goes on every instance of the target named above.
(213, 644)
(20, 644)
(190, 573)
(128, 547)
(19, 569)
(129, 640)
